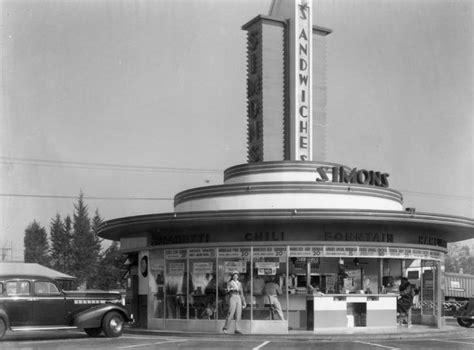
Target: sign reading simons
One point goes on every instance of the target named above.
(354, 176)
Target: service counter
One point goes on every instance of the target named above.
(351, 310)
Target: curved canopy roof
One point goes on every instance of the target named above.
(456, 228)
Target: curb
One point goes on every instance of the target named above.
(410, 334)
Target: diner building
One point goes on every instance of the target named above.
(337, 239)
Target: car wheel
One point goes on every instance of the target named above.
(93, 332)
(112, 324)
(3, 327)
(464, 323)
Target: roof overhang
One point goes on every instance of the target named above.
(456, 228)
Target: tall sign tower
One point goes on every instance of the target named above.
(284, 50)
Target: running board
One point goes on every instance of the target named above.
(41, 328)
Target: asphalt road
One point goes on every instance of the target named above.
(78, 340)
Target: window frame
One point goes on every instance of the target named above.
(18, 286)
(48, 285)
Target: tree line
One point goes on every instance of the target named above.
(459, 259)
(74, 248)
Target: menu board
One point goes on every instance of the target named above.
(176, 254)
(266, 252)
(340, 251)
(367, 252)
(202, 253)
(398, 252)
(243, 253)
(306, 251)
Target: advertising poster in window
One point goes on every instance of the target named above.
(230, 266)
(356, 280)
(176, 268)
(203, 267)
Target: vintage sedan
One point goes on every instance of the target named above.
(38, 303)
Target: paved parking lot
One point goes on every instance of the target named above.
(78, 340)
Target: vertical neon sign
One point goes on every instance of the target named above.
(302, 110)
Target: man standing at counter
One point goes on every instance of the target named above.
(271, 291)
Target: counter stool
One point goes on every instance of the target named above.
(271, 308)
(404, 319)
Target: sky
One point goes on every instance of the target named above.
(131, 102)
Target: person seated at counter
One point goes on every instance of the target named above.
(271, 292)
(405, 300)
(210, 310)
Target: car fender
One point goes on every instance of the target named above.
(92, 318)
(4, 315)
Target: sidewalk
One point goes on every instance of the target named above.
(415, 331)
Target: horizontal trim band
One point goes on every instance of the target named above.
(285, 188)
(41, 328)
(275, 167)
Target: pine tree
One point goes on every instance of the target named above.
(68, 256)
(85, 255)
(98, 267)
(60, 242)
(96, 222)
(56, 232)
(36, 244)
(112, 269)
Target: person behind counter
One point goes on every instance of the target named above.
(390, 287)
(271, 291)
(236, 302)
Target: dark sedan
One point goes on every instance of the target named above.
(38, 303)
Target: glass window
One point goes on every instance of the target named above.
(230, 260)
(156, 294)
(1, 288)
(46, 288)
(176, 284)
(202, 283)
(18, 288)
(269, 271)
(392, 275)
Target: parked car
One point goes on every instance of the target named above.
(465, 313)
(38, 303)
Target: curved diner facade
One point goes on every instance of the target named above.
(331, 242)
(338, 265)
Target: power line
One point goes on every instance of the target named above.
(100, 166)
(140, 168)
(85, 197)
